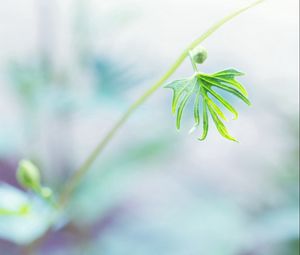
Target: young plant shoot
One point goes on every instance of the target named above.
(201, 87)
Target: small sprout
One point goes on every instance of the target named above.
(201, 85)
(28, 175)
(199, 54)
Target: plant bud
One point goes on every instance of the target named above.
(28, 175)
(199, 54)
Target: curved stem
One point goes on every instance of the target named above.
(77, 176)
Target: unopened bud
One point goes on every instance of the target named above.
(199, 54)
(28, 175)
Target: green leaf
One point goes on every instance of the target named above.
(224, 102)
(180, 110)
(236, 93)
(205, 121)
(228, 89)
(228, 73)
(235, 84)
(220, 81)
(178, 88)
(183, 90)
(220, 126)
(201, 84)
(196, 108)
(216, 108)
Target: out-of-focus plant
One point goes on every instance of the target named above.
(28, 176)
(199, 84)
(26, 215)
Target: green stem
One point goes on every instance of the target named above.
(193, 63)
(77, 176)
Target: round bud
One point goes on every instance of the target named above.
(199, 54)
(28, 175)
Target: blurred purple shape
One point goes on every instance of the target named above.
(8, 171)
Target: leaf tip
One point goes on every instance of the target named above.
(202, 138)
(234, 140)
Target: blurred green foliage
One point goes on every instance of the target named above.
(132, 202)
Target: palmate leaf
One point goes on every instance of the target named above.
(200, 86)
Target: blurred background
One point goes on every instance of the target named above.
(69, 69)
